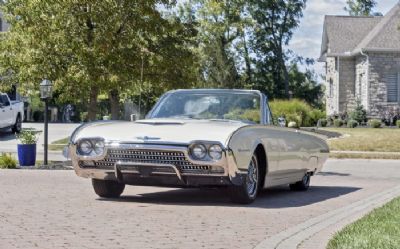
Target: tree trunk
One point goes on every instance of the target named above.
(114, 103)
(92, 110)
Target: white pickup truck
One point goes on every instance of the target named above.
(11, 113)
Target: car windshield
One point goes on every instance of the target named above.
(239, 106)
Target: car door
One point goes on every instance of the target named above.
(292, 152)
(3, 118)
(6, 111)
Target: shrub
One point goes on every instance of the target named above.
(337, 122)
(323, 122)
(7, 161)
(296, 111)
(359, 114)
(293, 125)
(316, 115)
(83, 116)
(398, 123)
(28, 136)
(375, 123)
(352, 124)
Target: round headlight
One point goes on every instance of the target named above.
(99, 147)
(215, 152)
(199, 151)
(85, 147)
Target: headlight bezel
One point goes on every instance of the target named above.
(94, 152)
(207, 145)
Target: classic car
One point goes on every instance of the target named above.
(194, 138)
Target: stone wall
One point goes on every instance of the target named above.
(347, 70)
(331, 86)
(361, 81)
(381, 64)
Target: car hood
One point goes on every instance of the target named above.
(161, 131)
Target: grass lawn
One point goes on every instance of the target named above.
(59, 144)
(378, 230)
(366, 139)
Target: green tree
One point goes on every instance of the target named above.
(275, 22)
(361, 7)
(304, 85)
(94, 47)
(220, 43)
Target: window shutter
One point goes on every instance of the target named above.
(392, 88)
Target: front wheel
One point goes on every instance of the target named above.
(108, 189)
(247, 192)
(302, 185)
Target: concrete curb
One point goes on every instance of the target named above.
(293, 237)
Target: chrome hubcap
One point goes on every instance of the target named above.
(252, 177)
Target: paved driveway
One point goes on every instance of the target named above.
(56, 209)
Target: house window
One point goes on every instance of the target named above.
(393, 87)
(330, 87)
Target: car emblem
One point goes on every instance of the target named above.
(145, 138)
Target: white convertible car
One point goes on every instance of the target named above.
(193, 138)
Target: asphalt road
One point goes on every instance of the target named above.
(56, 209)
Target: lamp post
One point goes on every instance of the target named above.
(45, 95)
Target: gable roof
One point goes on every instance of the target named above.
(349, 35)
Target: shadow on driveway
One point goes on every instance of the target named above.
(6, 136)
(280, 197)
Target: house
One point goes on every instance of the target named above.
(362, 57)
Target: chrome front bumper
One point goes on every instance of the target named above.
(144, 164)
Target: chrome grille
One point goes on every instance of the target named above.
(147, 156)
(175, 158)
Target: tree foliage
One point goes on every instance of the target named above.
(275, 22)
(91, 47)
(361, 7)
(126, 49)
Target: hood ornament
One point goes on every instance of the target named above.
(146, 138)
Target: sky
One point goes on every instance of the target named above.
(307, 38)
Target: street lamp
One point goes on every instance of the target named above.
(46, 90)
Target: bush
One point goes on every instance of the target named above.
(323, 122)
(316, 115)
(375, 123)
(293, 125)
(398, 123)
(296, 111)
(337, 123)
(83, 116)
(352, 124)
(359, 114)
(28, 136)
(7, 161)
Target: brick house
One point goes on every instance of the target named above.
(362, 57)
